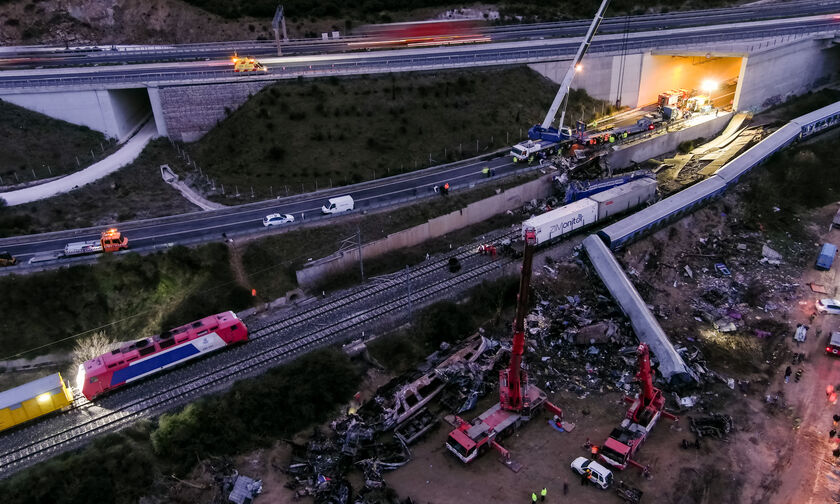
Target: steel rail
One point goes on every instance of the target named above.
(75, 435)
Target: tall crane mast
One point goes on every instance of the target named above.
(545, 131)
(518, 399)
(513, 380)
(651, 400)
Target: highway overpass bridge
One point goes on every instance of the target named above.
(768, 60)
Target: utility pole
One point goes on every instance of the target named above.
(408, 280)
(361, 262)
(279, 23)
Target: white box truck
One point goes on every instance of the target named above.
(563, 220)
(337, 205)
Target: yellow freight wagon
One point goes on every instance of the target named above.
(33, 399)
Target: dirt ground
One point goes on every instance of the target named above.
(766, 460)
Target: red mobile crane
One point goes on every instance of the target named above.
(518, 399)
(644, 411)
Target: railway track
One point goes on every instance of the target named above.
(271, 344)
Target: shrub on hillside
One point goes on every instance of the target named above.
(112, 469)
(278, 404)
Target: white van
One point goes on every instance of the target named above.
(337, 205)
(597, 474)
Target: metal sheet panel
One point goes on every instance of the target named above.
(631, 227)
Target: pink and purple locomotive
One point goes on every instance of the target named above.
(145, 357)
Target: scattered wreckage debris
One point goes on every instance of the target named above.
(318, 469)
(629, 494)
(717, 425)
(770, 256)
(220, 474)
(460, 375)
(376, 437)
(414, 428)
(818, 288)
(245, 490)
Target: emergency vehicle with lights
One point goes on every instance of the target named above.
(111, 240)
(245, 64)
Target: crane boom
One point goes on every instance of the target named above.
(545, 131)
(518, 399)
(644, 375)
(511, 384)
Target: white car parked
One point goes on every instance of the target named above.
(598, 474)
(829, 305)
(276, 219)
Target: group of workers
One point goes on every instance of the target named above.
(543, 493)
(444, 189)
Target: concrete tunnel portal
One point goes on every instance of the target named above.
(718, 77)
(118, 113)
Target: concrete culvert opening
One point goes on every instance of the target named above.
(130, 110)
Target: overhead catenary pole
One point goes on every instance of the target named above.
(279, 24)
(361, 261)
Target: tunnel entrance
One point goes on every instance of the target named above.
(715, 77)
(131, 108)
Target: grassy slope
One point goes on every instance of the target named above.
(136, 191)
(145, 294)
(342, 131)
(33, 141)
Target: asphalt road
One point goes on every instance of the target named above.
(436, 57)
(51, 57)
(219, 65)
(205, 226)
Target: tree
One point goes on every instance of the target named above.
(91, 346)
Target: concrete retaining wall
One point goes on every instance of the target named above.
(473, 213)
(772, 76)
(191, 111)
(660, 144)
(601, 77)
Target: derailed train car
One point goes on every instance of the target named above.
(620, 233)
(586, 211)
(34, 399)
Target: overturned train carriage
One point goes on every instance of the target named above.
(620, 233)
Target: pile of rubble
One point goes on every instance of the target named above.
(377, 436)
(584, 343)
(318, 469)
(579, 343)
(713, 425)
